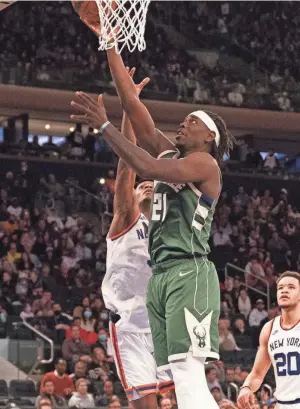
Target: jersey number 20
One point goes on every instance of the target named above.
(288, 364)
(159, 206)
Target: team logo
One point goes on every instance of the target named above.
(200, 333)
(275, 332)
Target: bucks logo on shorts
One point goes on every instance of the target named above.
(200, 333)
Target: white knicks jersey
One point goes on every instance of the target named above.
(127, 274)
(284, 351)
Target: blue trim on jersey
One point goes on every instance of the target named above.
(289, 402)
(207, 200)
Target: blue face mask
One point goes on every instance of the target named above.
(104, 316)
(87, 314)
(102, 337)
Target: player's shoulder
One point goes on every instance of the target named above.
(204, 158)
(266, 330)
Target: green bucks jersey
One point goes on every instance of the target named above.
(180, 222)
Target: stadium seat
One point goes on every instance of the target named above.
(3, 330)
(22, 389)
(3, 392)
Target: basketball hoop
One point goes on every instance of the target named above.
(122, 24)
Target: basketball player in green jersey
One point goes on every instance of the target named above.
(183, 295)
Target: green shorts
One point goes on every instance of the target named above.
(183, 302)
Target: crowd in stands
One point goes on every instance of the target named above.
(77, 145)
(59, 51)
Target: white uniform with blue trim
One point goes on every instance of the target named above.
(284, 351)
(127, 274)
(124, 290)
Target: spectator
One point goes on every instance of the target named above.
(221, 238)
(165, 403)
(60, 322)
(226, 338)
(63, 384)
(217, 394)
(88, 322)
(253, 159)
(253, 267)
(211, 378)
(45, 403)
(27, 312)
(74, 349)
(271, 162)
(256, 316)
(108, 392)
(276, 244)
(228, 389)
(241, 199)
(81, 373)
(81, 398)
(13, 255)
(114, 404)
(104, 342)
(242, 334)
(56, 401)
(235, 97)
(43, 304)
(244, 303)
(284, 102)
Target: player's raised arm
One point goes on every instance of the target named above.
(125, 206)
(261, 366)
(148, 137)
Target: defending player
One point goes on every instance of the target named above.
(125, 283)
(183, 295)
(279, 346)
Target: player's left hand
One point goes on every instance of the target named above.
(93, 112)
(139, 87)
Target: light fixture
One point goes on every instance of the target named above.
(72, 129)
(96, 130)
(102, 181)
(47, 126)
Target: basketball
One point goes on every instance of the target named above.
(87, 9)
(89, 13)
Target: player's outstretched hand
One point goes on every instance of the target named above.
(92, 112)
(139, 87)
(245, 399)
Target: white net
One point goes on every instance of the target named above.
(124, 21)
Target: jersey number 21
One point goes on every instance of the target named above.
(159, 206)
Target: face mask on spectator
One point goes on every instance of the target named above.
(102, 337)
(104, 315)
(87, 314)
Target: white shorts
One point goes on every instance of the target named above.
(136, 366)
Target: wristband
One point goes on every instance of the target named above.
(101, 130)
(245, 386)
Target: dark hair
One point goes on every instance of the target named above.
(293, 274)
(227, 140)
(209, 369)
(58, 360)
(47, 381)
